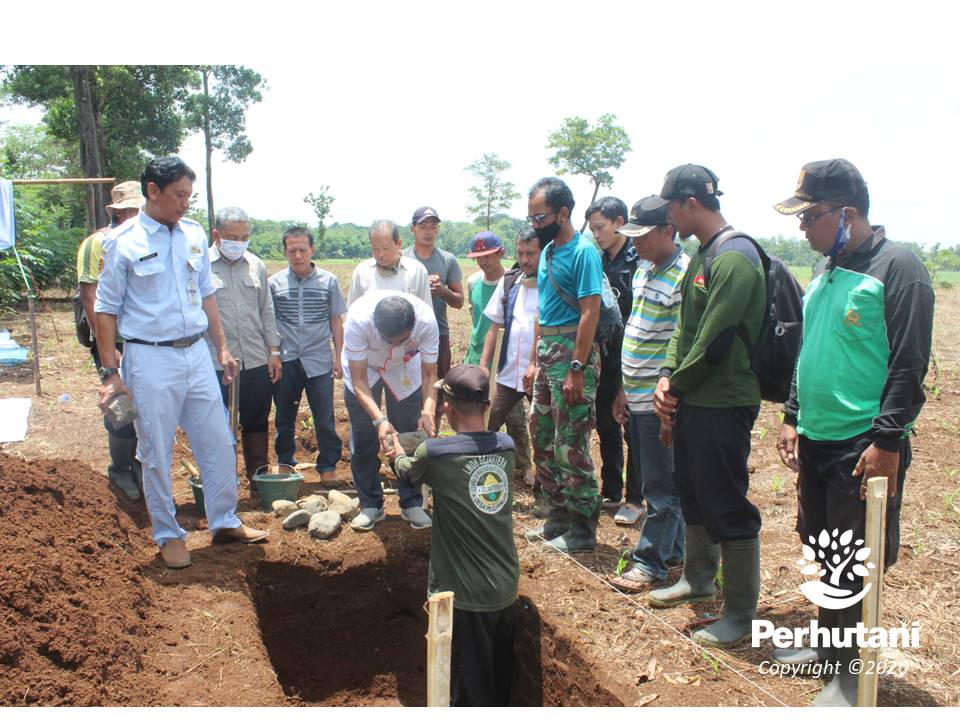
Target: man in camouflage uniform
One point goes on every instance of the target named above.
(565, 370)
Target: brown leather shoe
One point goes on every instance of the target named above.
(328, 476)
(175, 555)
(242, 534)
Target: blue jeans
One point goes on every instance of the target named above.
(365, 444)
(287, 394)
(661, 538)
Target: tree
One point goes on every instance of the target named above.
(493, 194)
(219, 111)
(320, 204)
(113, 115)
(591, 151)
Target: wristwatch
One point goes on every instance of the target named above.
(379, 421)
(576, 366)
(106, 372)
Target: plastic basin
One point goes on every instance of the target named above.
(277, 486)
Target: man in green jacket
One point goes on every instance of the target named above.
(710, 396)
(858, 384)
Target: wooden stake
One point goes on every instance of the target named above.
(875, 536)
(494, 364)
(34, 342)
(439, 641)
(62, 181)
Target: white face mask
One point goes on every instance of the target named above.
(233, 249)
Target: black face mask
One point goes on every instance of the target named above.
(548, 232)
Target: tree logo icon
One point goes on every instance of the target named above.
(840, 556)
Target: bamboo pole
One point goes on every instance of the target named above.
(875, 536)
(439, 641)
(34, 342)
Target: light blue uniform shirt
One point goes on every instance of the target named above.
(154, 280)
(579, 273)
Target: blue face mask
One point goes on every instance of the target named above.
(842, 237)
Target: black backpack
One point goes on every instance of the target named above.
(774, 356)
(610, 322)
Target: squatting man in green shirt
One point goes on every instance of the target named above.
(858, 385)
(472, 551)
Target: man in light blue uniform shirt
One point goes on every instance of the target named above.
(156, 291)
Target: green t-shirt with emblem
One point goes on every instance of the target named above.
(472, 551)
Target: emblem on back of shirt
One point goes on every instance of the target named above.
(488, 484)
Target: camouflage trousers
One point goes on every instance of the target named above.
(560, 433)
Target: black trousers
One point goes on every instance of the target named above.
(481, 660)
(710, 451)
(613, 436)
(829, 494)
(254, 399)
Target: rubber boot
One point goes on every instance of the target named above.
(255, 446)
(808, 660)
(841, 691)
(700, 562)
(120, 471)
(741, 589)
(582, 535)
(558, 522)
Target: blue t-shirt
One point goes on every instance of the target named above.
(577, 270)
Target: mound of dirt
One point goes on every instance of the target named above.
(72, 596)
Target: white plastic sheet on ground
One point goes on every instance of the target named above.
(13, 419)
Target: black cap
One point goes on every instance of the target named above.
(643, 221)
(834, 181)
(686, 181)
(465, 382)
(423, 213)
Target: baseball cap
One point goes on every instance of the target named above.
(685, 181)
(126, 195)
(465, 382)
(835, 181)
(484, 243)
(643, 221)
(423, 213)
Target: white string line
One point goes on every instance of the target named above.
(702, 649)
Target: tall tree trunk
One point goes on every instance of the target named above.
(209, 149)
(596, 189)
(89, 144)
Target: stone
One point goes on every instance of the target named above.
(315, 506)
(282, 508)
(296, 519)
(309, 499)
(342, 504)
(324, 524)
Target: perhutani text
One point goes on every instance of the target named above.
(830, 637)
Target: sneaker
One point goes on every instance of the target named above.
(417, 518)
(367, 518)
(627, 515)
(608, 504)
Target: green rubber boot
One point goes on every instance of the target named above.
(841, 691)
(741, 588)
(700, 563)
(558, 522)
(582, 535)
(120, 471)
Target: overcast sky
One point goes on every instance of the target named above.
(388, 102)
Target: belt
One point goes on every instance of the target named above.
(183, 342)
(559, 329)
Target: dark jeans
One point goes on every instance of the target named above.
(829, 494)
(661, 538)
(255, 396)
(287, 394)
(611, 434)
(481, 658)
(710, 451)
(365, 444)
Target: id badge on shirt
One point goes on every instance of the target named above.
(193, 287)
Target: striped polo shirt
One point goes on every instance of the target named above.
(653, 317)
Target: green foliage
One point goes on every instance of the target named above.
(580, 149)
(219, 109)
(320, 204)
(493, 194)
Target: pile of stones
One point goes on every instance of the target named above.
(322, 516)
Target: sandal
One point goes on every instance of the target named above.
(634, 580)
